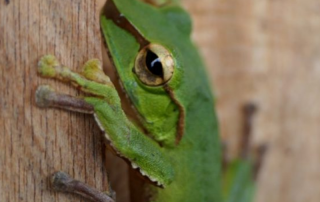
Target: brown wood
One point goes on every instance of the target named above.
(35, 142)
(261, 51)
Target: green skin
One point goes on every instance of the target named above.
(188, 169)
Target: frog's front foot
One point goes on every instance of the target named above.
(50, 67)
(61, 181)
(91, 80)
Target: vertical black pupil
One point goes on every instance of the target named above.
(154, 64)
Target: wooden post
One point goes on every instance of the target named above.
(35, 142)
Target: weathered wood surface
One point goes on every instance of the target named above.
(34, 142)
(261, 51)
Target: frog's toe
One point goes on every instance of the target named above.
(46, 66)
(92, 64)
(42, 94)
(92, 70)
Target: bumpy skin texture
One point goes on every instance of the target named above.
(196, 159)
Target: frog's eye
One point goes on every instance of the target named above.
(154, 65)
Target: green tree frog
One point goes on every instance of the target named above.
(175, 144)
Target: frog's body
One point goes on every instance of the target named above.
(196, 158)
(181, 150)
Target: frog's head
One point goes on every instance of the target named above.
(145, 44)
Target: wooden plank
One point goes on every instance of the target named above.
(34, 142)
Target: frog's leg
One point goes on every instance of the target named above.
(60, 181)
(239, 176)
(104, 102)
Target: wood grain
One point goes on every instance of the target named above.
(34, 142)
(261, 51)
